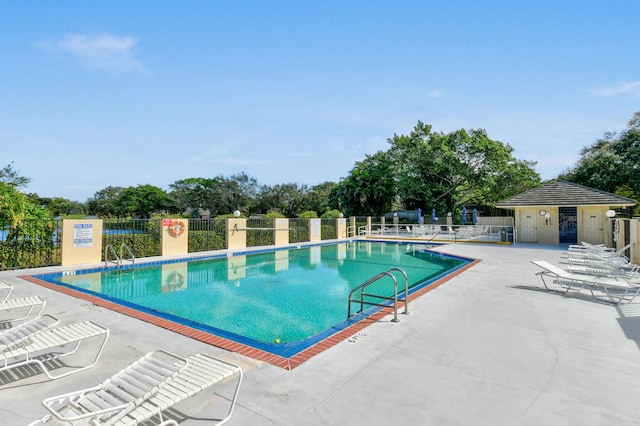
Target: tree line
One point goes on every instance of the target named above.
(424, 169)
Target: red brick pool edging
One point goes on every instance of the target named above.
(260, 355)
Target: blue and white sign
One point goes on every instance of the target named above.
(82, 235)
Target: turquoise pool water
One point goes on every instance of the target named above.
(271, 300)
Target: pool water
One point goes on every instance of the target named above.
(267, 299)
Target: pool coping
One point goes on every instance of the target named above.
(277, 360)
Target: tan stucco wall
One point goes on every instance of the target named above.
(174, 242)
(281, 233)
(352, 223)
(550, 233)
(236, 233)
(635, 239)
(341, 228)
(546, 232)
(315, 230)
(81, 241)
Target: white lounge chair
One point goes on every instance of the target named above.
(142, 391)
(49, 344)
(4, 287)
(589, 251)
(33, 306)
(22, 331)
(617, 290)
(601, 261)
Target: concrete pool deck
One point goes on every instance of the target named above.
(488, 347)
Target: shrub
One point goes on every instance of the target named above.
(309, 214)
(331, 214)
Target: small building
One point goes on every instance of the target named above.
(563, 212)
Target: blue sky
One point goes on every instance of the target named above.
(122, 93)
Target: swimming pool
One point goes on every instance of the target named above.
(280, 301)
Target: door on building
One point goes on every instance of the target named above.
(528, 232)
(593, 226)
(568, 224)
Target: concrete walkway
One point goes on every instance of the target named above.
(489, 347)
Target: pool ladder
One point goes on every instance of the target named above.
(362, 287)
(110, 255)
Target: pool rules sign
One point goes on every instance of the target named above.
(83, 235)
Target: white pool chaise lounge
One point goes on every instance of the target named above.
(143, 391)
(33, 305)
(4, 287)
(43, 346)
(615, 289)
(22, 331)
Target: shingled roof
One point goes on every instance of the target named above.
(562, 193)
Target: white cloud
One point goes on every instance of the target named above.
(103, 51)
(619, 89)
(438, 93)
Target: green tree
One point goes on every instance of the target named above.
(220, 195)
(61, 206)
(368, 190)
(143, 201)
(317, 198)
(31, 219)
(442, 171)
(427, 169)
(192, 194)
(612, 163)
(11, 177)
(285, 198)
(104, 202)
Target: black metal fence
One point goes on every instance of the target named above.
(329, 229)
(298, 230)
(38, 244)
(142, 236)
(30, 245)
(207, 234)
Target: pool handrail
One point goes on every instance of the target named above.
(375, 278)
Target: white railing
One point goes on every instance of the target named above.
(477, 233)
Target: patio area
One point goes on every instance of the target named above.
(490, 346)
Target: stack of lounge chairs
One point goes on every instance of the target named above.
(142, 391)
(606, 274)
(29, 338)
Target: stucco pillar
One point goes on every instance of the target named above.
(634, 255)
(315, 230)
(341, 228)
(81, 241)
(236, 233)
(281, 232)
(174, 237)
